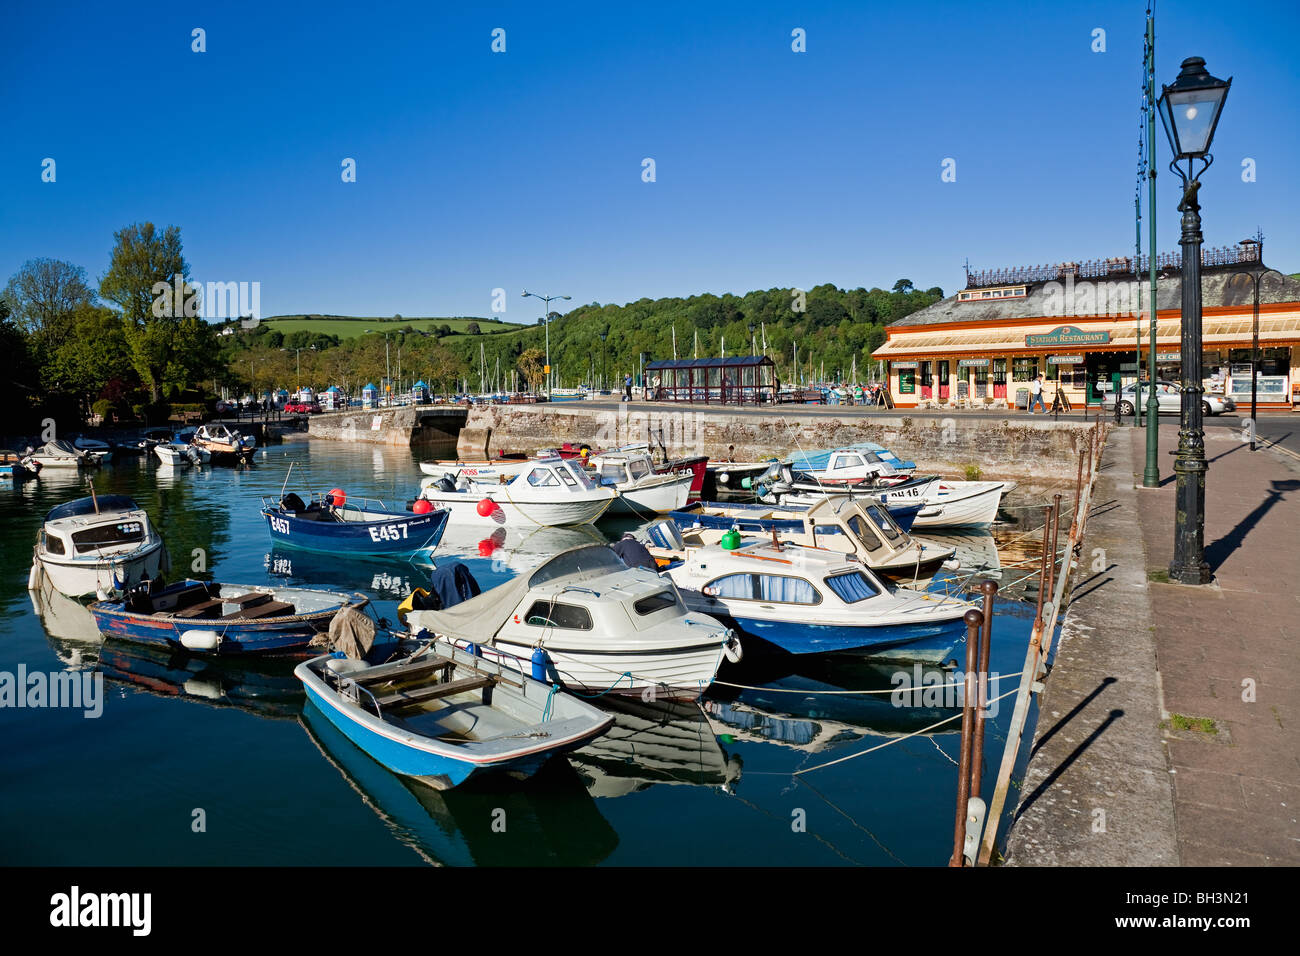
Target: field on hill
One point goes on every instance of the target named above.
(348, 328)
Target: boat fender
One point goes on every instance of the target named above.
(473, 650)
(32, 576)
(203, 688)
(541, 661)
(196, 640)
(724, 478)
(746, 483)
(732, 649)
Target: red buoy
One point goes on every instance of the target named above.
(486, 547)
(422, 506)
(337, 496)
(486, 507)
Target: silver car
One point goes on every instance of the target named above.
(1170, 398)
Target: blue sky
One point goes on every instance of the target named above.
(478, 170)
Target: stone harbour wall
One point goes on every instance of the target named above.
(1014, 447)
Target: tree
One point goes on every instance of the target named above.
(472, 328)
(141, 260)
(903, 285)
(95, 353)
(532, 367)
(42, 295)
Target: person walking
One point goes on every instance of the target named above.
(627, 388)
(1036, 394)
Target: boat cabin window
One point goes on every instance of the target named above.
(611, 473)
(548, 614)
(566, 477)
(851, 587)
(53, 543)
(542, 478)
(883, 522)
(780, 589)
(655, 602)
(735, 586)
(582, 477)
(638, 469)
(846, 461)
(864, 532)
(124, 532)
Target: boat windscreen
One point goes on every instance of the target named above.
(86, 506)
(591, 560)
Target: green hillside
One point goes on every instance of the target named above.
(348, 327)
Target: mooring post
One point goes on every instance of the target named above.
(990, 589)
(1056, 527)
(974, 620)
(1042, 562)
(1078, 492)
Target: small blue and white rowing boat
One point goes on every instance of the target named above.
(443, 715)
(806, 600)
(331, 523)
(222, 619)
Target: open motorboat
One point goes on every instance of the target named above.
(204, 617)
(731, 476)
(95, 545)
(549, 492)
(64, 454)
(641, 492)
(330, 522)
(697, 465)
(591, 623)
(181, 454)
(223, 442)
(442, 715)
(806, 600)
(852, 526)
(18, 467)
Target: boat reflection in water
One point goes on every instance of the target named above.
(268, 689)
(805, 706)
(383, 577)
(513, 550)
(548, 820)
(657, 742)
(69, 626)
(976, 550)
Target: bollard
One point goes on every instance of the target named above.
(974, 620)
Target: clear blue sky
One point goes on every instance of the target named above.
(479, 170)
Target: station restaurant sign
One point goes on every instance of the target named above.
(1067, 336)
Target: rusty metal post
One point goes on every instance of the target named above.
(1056, 528)
(1042, 562)
(974, 619)
(990, 589)
(1078, 494)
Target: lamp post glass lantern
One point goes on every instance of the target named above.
(1190, 109)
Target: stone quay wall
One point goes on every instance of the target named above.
(1016, 447)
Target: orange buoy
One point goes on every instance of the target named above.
(337, 497)
(486, 507)
(422, 506)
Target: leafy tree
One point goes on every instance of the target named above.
(94, 353)
(42, 294)
(903, 285)
(472, 328)
(532, 367)
(141, 259)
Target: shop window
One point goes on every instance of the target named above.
(926, 379)
(982, 375)
(1000, 371)
(1024, 369)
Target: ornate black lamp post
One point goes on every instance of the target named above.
(1190, 110)
(1254, 275)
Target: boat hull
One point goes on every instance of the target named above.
(463, 507)
(962, 507)
(78, 578)
(403, 533)
(661, 497)
(919, 641)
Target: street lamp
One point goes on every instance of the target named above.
(1255, 275)
(297, 354)
(1190, 111)
(546, 322)
(603, 334)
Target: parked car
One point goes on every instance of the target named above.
(225, 406)
(301, 408)
(1170, 398)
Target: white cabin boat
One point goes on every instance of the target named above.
(549, 492)
(599, 625)
(64, 454)
(97, 545)
(491, 469)
(180, 454)
(641, 492)
(805, 600)
(219, 440)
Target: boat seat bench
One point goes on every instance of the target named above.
(265, 609)
(399, 671)
(434, 691)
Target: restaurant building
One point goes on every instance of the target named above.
(1079, 325)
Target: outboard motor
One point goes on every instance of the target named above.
(446, 483)
(292, 503)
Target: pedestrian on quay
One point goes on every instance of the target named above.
(627, 388)
(1036, 394)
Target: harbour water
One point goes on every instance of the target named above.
(194, 763)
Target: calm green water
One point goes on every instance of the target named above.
(682, 784)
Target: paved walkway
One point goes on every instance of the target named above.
(1230, 652)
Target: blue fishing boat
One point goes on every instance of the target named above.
(222, 619)
(329, 522)
(442, 715)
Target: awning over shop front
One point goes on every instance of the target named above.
(1218, 332)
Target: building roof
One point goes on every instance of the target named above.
(1094, 296)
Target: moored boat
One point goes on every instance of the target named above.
(442, 715)
(549, 492)
(63, 454)
(641, 491)
(224, 443)
(222, 619)
(330, 522)
(99, 544)
(588, 621)
(18, 467)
